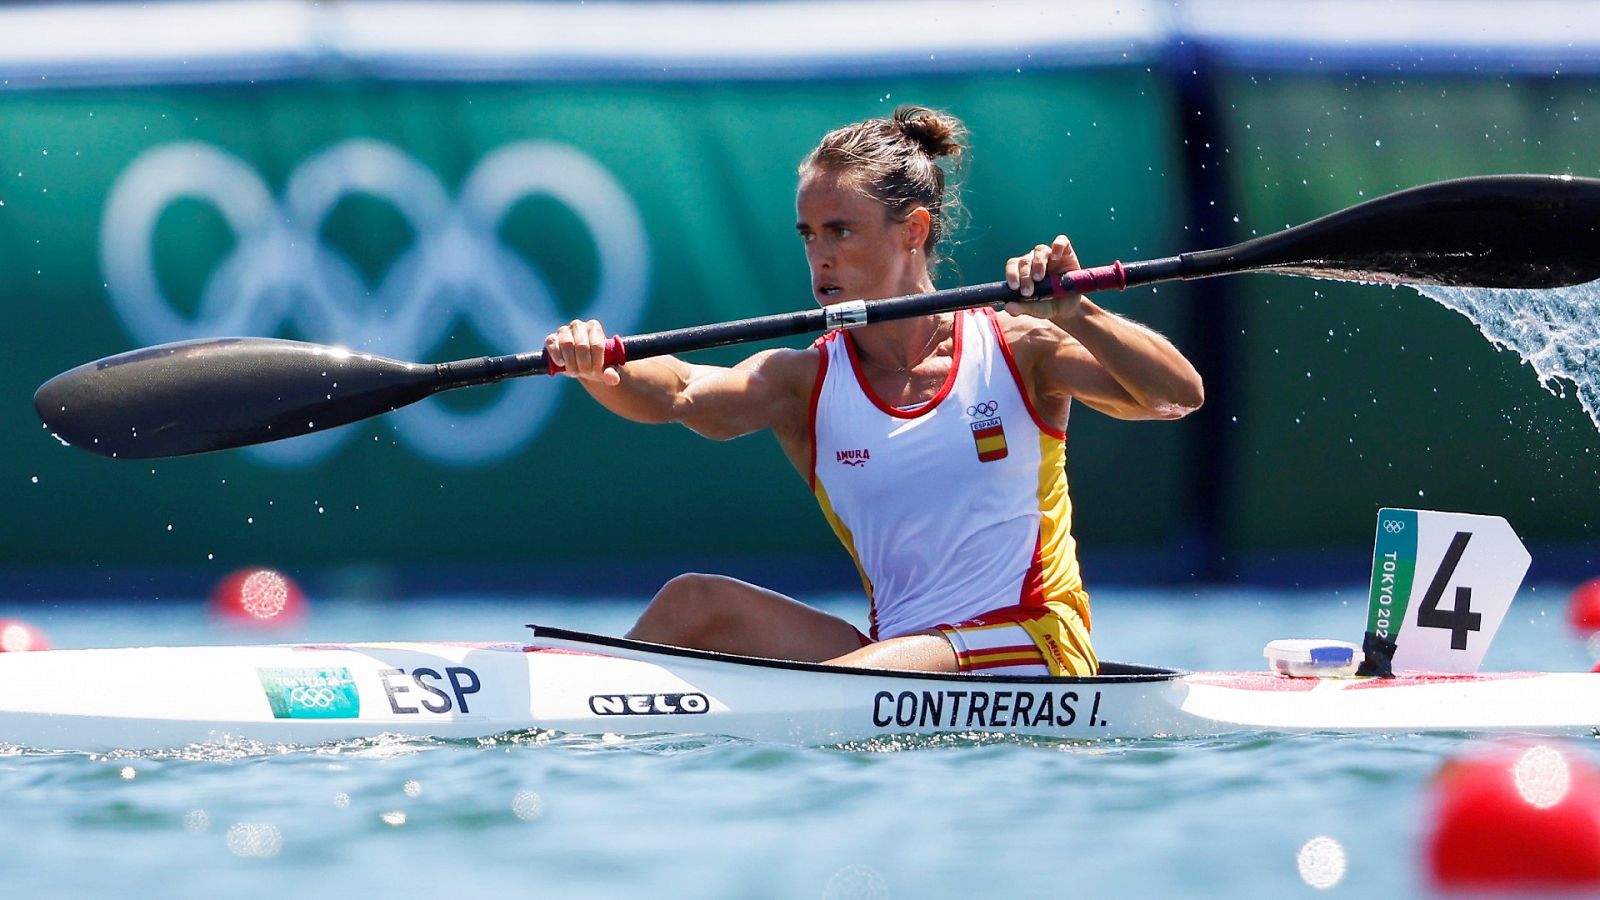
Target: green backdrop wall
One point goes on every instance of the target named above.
(439, 220)
(107, 243)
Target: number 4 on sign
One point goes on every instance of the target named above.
(1424, 560)
(1460, 621)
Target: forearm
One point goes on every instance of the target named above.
(1154, 373)
(651, 390)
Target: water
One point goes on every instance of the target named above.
(1556, 331)
(709, 818)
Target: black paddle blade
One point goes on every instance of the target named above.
(1495, 231)
(204, 395)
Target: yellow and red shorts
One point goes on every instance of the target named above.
(1050, 639)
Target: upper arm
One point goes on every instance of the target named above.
(1061, 369)
(1073, 371)
(771, 389)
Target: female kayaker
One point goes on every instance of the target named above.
(935, 446)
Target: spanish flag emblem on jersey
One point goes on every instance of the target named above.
(990, 437)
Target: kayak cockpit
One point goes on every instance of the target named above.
(550, 638)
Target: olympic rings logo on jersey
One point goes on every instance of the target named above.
(983, 410)
(320, 697)
(281, 276)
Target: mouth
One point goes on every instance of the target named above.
(828, 291)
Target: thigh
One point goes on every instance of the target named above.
(923, 652)
(716, 612)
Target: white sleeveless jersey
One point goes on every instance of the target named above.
(952, 508)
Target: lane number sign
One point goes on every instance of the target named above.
(1441, 585)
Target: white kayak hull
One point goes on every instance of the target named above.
(164, 698)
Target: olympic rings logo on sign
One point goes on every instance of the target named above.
(320, 697)
(1393, 526)
(984, 410)
(279, 274)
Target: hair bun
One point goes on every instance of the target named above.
(936, 133)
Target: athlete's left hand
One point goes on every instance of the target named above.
(1023, 274)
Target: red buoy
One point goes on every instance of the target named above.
(17, 636)
(1583, 610)
(1516, 819)
(258, 596)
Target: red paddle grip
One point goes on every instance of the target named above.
(616, 355)
(1099, 278)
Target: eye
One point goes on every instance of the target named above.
(807, 236)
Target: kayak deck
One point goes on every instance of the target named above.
(568, 681)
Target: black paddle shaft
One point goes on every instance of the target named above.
(1500, 231)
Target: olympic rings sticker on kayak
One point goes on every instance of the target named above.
(281, 278)
(310, 693)
(320, 697)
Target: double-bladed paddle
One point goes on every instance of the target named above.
(1498, 231)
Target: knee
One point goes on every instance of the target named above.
(688, 587)
(687, 607)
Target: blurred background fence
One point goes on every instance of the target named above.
(433, 181)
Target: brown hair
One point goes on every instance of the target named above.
(896, 161)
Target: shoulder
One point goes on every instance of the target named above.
(786, 370)
(787, 379)
(783, 362)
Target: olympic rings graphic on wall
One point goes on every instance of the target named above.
(281, 275)
(985, 409)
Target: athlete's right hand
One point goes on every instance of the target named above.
(580, 349)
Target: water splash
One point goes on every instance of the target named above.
(1556, 331)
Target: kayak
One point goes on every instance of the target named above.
(1423, 657)
(571, 682)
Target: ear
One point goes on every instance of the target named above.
(918, 224)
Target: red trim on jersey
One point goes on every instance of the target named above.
(1033, 583)
(821, 344)
(984, 658)
(1022, 386)
(924, 409)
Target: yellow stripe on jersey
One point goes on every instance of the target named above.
(848, 540)
(1060, 578)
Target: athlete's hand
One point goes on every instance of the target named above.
(1023, 274)
(580, 349)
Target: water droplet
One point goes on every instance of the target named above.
(1321, 862)
(527, 805)
(1542, 776)
(856, 883)
(254, 840)
(196, 821)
